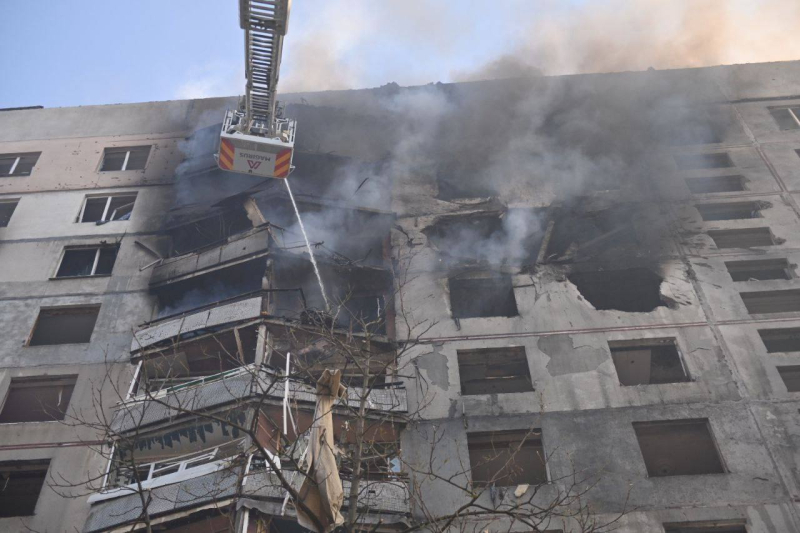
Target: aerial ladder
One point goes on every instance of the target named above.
(256, 138)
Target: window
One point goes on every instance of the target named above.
(703, 161)
(758, 270)
(715, 184)
(781, 340)
(635, 290)
(22, 482)
(788, 118)
(37, 399)
(678, 448)
(18, 164)
(729, 211)
(724, 526)
(647, 362)
(791, 377)
(7, 208)
(494, 370)
(507, 458)
(482, 297)
(771, 301)
(101, 209)
(64, 325)
(126, 158)
(92, 261)
(741, 238)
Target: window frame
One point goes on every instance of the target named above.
(61, 308)
(15, 202)
(109, 197)
(627, 344)
(128, 150)
(66, 379)
(507, 436)
(19, 156)
(792, 114)
(37, 465)
(98, 248)
(706, 422)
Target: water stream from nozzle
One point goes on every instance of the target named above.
(308, 245)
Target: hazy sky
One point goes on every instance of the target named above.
(79, 52)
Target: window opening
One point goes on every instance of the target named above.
(507, 458)
(781, 340)
(715, 184)
(742, 238)
(791, 377)
(7, 208)
(771, 301)
(678, 448)
(758, 270)
(494, 370)
(18, 164)
(788, 118)
(724, 526)
(482, 297)
(64, 325)
(94, 261)
(100, 209)
(22, 482)
(729, 211)
(648, 362)
(37, 399)
(635, 290)
(703, 161)
(125, 158)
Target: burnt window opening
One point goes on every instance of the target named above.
(703, 161)
(360, 313)
(22, 482)
(208, 231)
(715, 184)
(579, 234)
(742, 238)
(759, 270)
(781, 340)
(716, 526)
(787, 118)
(482, 297)
(64, 325)
(648, 362)
(729, 211)
(87, 261)
(791, 377)
(763, 302)
(101, 209)
(7, 208)
(37, 399)
(678, 448)
(125, 158)
(494, 371)
(634, 290)
(507, 458)
(18, 164)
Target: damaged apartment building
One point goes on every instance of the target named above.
(550, 300)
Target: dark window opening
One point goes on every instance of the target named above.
(22, 482)
(678, 448)
(634, 290)
(791, 377)
(96, 261)
(507, 458)
(724, 526)
(64, 325)
(758, 270)
(781, 340)
(788, 118)
(729, 211)
(7, 208)
(100, 209)
(494, 371)
(715, 184)
(204, 524)
(771, 301)
(360, 313)
(742, 238)
(482, 297)
(37, 399)
(580, 233)
(647, 362)
(126, 158)
(208, 231)
(460, 181)
(380, 460)
(18, 164)
(703, 161)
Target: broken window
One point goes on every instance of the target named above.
(715, 184)
(494, 370)
(126, 158)
(678, 448)
(208, 231)
(729, 211)
(482, 297)
(703, 161)
(788, 117)
(758, 270)
(771, 301)
(781, 340)
(37, 399)
(99, 209)
(363, 312)
(724, 526)
(64, 325)
(7, 208)
(647, 362)
(18, 164)
(90, 261)
(741, 238)
(581, 231)
(635, 290)
(22, 482)
(507, 458)
(791, 377)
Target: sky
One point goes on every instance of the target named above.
(82, 52)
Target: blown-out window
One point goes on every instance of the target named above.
(37, 399)
(22, 482)
(64, 325)
(101, 209)
(18, 164)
